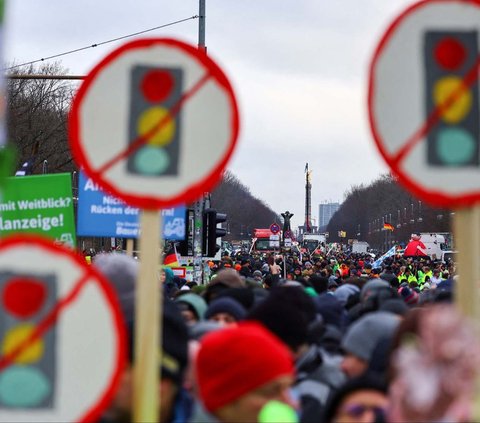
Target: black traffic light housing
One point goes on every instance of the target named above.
(154, 94)
(27, 301)
(211, 232)
(450, 57)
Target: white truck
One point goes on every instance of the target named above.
(312, 242)
(437, 244)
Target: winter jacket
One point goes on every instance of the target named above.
(318, 374)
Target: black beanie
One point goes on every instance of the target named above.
(319, 283)
(331, 310)
(244, 296)
(283, 314)
(296, 296)
(174, 342)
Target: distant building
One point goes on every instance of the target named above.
(325, 213)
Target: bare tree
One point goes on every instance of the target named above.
(366, 208)
(245, 212)
(37, 112)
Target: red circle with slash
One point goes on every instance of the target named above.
(449, 55)
(25, 262)
(207, 140)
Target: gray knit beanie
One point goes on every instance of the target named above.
(364, 334)
(371, 287)
(121, 271)
(343, 292)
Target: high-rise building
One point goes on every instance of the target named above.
(325, 213)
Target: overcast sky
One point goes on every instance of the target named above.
(299, 69)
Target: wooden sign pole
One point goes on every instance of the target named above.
(466, 224)
(130, 247)
(148, 322)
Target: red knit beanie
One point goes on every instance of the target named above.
(234, 361)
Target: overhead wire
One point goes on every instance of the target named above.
(101, 43)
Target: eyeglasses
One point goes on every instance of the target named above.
(357, 410)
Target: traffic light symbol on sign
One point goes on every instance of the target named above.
(154, 93)
(450, 56)
(29, 380)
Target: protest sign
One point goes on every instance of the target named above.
(40, 204)
(100, 214)
(61, 331)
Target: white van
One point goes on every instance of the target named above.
(436, 243)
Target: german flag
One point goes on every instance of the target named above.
(388, 226)
(171, 260)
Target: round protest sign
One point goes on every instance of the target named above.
(61, 334)
(423, 100)
(154, 123)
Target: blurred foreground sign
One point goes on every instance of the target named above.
(61, 334)
(424, 100)
(154, 123)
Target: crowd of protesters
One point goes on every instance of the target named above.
(312, 338)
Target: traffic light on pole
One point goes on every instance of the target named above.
(28, 378)
(154, 92)
(452, 81)
(211, 218)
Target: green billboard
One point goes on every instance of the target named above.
(40, 204)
